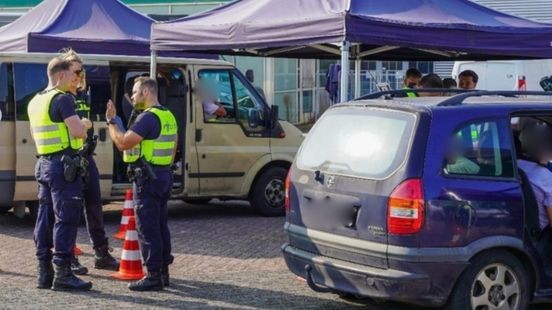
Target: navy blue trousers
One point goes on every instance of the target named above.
(150, 205)
(93, 206)
(59, 212)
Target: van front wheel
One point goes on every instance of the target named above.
(495, 281)
(268, 192)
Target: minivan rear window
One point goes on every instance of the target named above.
(370, 143)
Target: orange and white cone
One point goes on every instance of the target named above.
(130, 267)
(128, 212)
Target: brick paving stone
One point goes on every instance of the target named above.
(226, 257)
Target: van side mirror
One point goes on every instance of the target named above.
(250, 75)
(274, 116)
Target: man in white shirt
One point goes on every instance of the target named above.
(208, 94)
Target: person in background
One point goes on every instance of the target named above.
(212, 110)
(467, 79)
(449, 83)
(431, 80)
(92, 193)
(411, 80)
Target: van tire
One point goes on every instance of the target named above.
(267, 196)
(484, 267)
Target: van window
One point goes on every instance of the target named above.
(251, 112)
(7, 106)
(98, 80)
(478, 149)
(29, 80)
(214, 89)
(370, 143)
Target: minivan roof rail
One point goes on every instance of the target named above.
(459, 99)
(390, 94)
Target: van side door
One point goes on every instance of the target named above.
(228, 143)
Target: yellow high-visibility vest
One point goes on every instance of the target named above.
(50, 137)
(157, 151)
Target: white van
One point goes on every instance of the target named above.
(246, 155)
(506, 74)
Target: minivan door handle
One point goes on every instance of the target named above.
(198, 135)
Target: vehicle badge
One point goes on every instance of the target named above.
(331, 181)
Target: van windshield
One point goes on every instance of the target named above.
(369, 143)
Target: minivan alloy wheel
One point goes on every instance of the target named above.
(495, 287)
(275, 192)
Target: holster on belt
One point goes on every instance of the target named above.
(71, 167)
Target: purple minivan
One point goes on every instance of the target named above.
(420, 200)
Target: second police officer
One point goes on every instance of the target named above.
(149, 147)
(92, 192)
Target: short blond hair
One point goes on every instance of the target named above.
(57, 65)
(69, 54)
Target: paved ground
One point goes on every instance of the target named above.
(225, 257)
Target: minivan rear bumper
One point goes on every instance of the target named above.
(342, 276)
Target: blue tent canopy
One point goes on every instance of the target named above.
(90, 27)
(378, 29)
(357, 29)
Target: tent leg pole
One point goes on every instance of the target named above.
(344, 89)
(153, 65)
(357, 77)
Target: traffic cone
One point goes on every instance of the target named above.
(128, 212)
(130, 267)
(77, 251)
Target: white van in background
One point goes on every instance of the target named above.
(506, 74)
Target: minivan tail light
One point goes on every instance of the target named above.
(405, 208)
(287, 185)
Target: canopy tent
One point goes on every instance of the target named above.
(90, 27)
(363, 29)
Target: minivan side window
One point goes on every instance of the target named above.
(7, 106)
(214, 89)
(29, 80)
(478, 149)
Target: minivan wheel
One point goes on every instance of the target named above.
(268, 192)
(495, 280)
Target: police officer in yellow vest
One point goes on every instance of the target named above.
(411, 80)
(58, 134)
(92, 193)
(149, 147)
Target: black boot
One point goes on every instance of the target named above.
(65, 280)
(165, 274)
(77, 268)
(153, 281)
(104, 260)
(45, 274)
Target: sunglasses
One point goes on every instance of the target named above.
(79, 72)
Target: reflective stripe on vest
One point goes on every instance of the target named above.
(50, 137)
(82, 108)
(158, 151)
